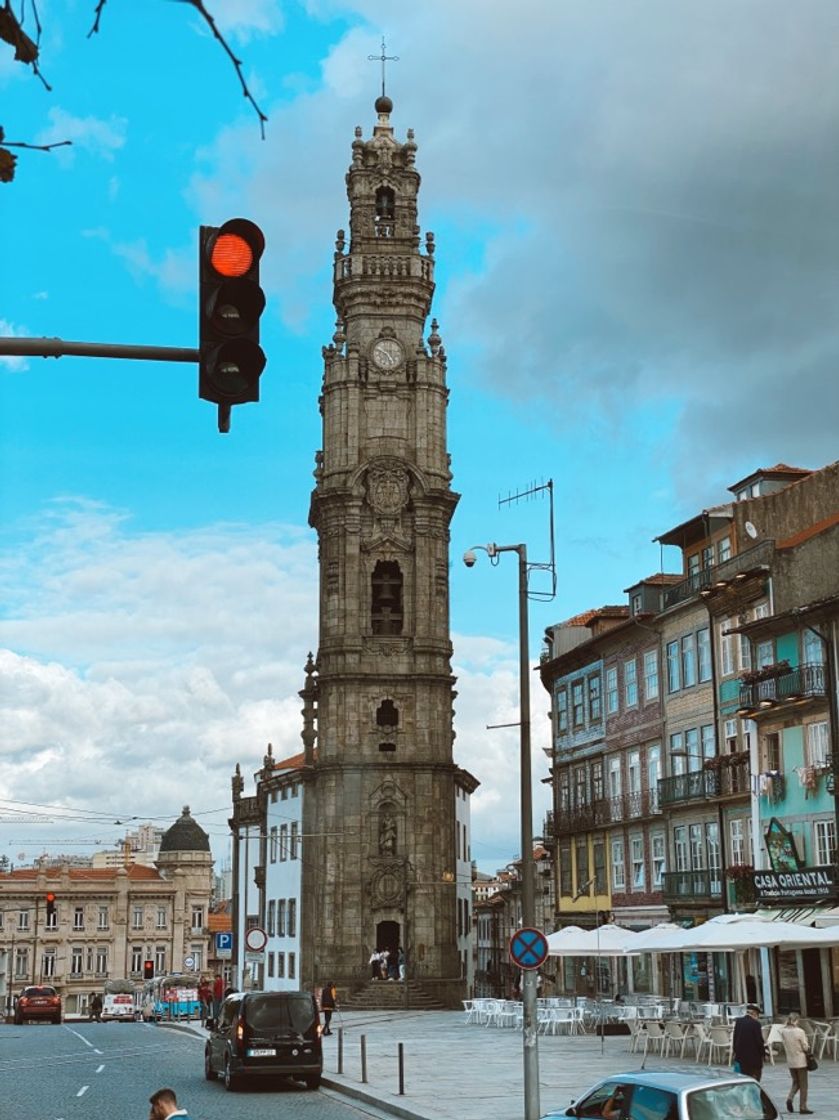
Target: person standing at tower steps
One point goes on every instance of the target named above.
(328, 1004)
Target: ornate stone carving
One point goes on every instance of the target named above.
(387, 885)
(387, 490)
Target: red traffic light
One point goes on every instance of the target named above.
(231, 255)
(50, 898)
(148, 970)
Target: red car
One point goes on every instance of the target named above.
(38, 1002)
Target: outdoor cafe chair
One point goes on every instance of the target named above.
(772, 1037)
(720, 1043)
(471, 1009)
(653, 1034)
(675, 1035)
(636, 1033)
(703, 1039)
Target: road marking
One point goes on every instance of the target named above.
(95, 1051)
(82, 1091)
(81, 1036)
(99, 1070)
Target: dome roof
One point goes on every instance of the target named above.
(185, 835)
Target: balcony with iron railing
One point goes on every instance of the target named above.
(780, 684)
(694, 886)
(737, 567)
(583, 818)
(718, 778)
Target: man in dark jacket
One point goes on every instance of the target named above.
(749, 1047)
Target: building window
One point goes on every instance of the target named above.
(580, 787)
(23, 920)
(564, 792)
(709, 746)
(51, 920)
(272, 844)
(578, 704)
(630, 683)
(693, 564)
(583, 884)
(136, 917)
(161, 917)
(680, 847)
(708, 556)
(280, 917)
(386, 588)
(674, 673)
(197, 918)
(812, 648)
(703, 653)
(611, 690)
(697, 847)
(594, 706)
(280, 965)
(653, 774)
(824, 842)
(615, 790)
(597, 780)
(772, 752)
(197, 954)
(561, 710)
(104, 919)
(659, 853)
(102, 961)
(651, 674)
(78, 917)
(48, 964)
(639, 879)
(764, 654)
(291, 928)
(688, 660)
(75, 961)
(160, 960)
(618, 868)
(272, 918)
(730, 736)
(723, 549)
(677, 753)
(818, 751)
(136, 958)
(737, 834)
(565, 881)
(599, 850)
(692, 749)
(727, 648)
(2, 920)
(21, 963)
(283, 843)
(295, 828)
(636, 603)
(284, 793)
(292, 966)
(270, 964)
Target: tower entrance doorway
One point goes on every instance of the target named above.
(387, 937)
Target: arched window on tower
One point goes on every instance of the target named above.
(386, 598)
(387, 721)
(385, 211)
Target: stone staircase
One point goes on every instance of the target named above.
(389, 995)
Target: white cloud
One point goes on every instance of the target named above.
(139, 668)
(93, 135)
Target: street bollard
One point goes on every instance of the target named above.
(340, 1049)
(401, 1069)
(364, 1059)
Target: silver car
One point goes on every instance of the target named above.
(682, 1094)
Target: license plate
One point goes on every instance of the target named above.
(261, 1053)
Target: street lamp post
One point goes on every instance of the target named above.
(528, 894)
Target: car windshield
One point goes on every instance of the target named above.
(39, 992)
(267, 1012)
(743, 1100)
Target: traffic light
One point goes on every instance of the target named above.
(148, 970)
(230, 305)
(50, 901)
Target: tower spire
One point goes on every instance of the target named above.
(383, 58)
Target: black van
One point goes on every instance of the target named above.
(265, 1034)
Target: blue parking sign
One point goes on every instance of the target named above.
(224, 943)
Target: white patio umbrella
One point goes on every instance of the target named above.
(605, 941)
(728, 933)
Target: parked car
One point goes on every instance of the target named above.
(265, 1034)
(682, 1094)
(39, 1001)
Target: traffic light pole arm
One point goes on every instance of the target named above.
(58, 348)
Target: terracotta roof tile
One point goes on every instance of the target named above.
(810, 531)
(219, 923)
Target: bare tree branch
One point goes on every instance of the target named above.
(211, 23)
(36, 147)
(26, 51)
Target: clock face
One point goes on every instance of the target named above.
(387, 353)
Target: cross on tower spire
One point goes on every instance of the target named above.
(383, 58)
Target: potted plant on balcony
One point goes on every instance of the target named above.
(741, 877)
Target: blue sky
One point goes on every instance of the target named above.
(635, 208)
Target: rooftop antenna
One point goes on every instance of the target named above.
(536, 489)
(383, 58)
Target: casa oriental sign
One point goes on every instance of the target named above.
(806, 884)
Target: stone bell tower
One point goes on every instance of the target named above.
(380, 820)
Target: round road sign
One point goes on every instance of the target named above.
(528, 948)
(256, 939)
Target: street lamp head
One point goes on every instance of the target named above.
(469, 558)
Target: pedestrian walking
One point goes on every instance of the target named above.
(328, 1003)
(96, 1007)
(164, 1104)
(400, 955)
(749, 1049)
(383, 959)
(797, 1050)
(218, 992)
(375, 965)
(205, 998)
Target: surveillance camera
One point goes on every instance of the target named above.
(469, 558)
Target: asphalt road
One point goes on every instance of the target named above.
(108, 1070)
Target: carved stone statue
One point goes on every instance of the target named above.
(387, 835)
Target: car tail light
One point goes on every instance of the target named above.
(240, 1035)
